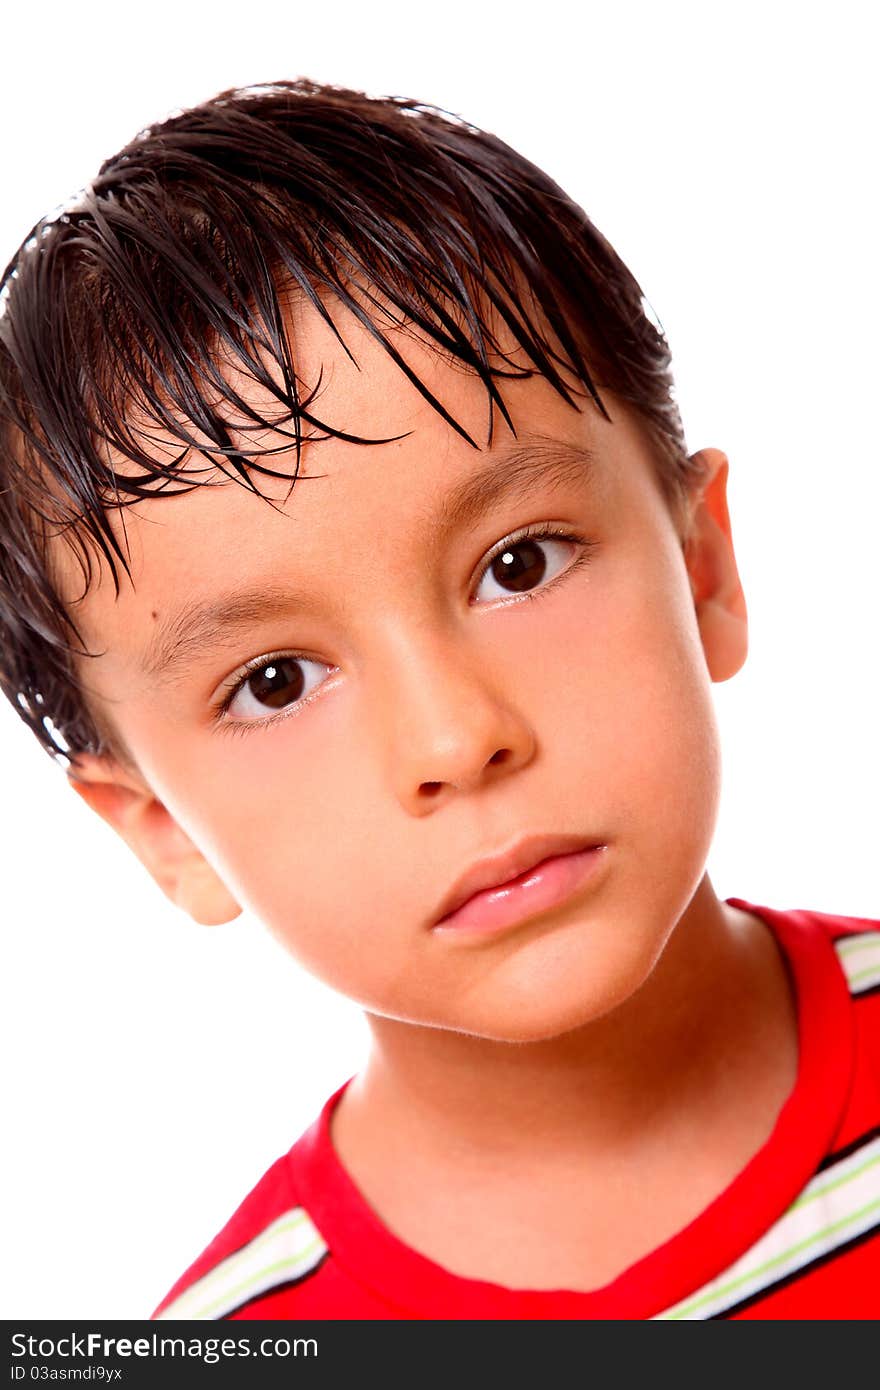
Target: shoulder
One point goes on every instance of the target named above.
(856, 944)
(268, 1240)
(269, 1247)
(835, 962)
(855, 941)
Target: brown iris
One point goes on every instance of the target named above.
(520, 566)
(278, 683)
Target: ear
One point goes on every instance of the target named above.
(719, 601)
(121, 798)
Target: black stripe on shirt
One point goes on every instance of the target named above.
(867, 1138)
(796, 1274)
(277, 1288)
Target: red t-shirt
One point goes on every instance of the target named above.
(795, 1235)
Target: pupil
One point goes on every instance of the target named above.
(278, 684)
(521, 567)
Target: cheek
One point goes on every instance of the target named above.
(291, 818)
(620, 695)
(662, 738)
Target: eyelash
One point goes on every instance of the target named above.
(539, 533)
(535, 532)
(243, 726)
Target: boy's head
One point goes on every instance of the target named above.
(349, 538)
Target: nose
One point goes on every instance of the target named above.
(448, 727)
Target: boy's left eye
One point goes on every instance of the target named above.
(524, 563)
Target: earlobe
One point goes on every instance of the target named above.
(125, 801)
(719, 601)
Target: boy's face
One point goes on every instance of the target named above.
(410, 710)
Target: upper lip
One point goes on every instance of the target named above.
(499, 868)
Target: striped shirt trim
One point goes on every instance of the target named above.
(837, 1208)
(841, 1204)
(283, 1253)
(860, 958)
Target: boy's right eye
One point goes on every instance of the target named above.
(271, 684)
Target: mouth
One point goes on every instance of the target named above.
(535, 875)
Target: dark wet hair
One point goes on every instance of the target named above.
(118, 312)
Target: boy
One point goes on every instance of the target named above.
(352, 552)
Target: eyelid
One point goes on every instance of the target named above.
(230, 687)
(537, 531)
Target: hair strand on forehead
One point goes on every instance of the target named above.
(123, 315)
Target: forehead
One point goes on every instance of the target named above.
(221, 535)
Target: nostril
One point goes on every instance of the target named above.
(501, 756)
(430, 790)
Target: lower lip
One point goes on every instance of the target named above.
(547, 885)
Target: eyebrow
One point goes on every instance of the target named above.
(512, 475)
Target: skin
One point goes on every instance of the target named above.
(640, 1026)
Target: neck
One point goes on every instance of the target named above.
(716, 1006)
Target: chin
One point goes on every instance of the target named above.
(537, 1026)
(540, 1014)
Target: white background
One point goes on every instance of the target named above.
(152, 1069)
